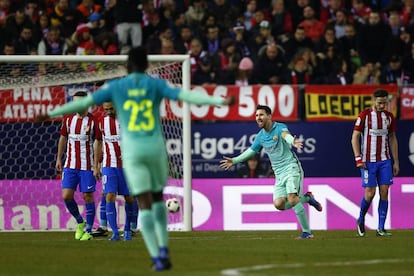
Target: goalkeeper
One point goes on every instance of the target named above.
(276, 140)
(137, 99)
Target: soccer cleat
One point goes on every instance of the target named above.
(80, 230)
(127, 236)
(361, 228)
(86, 236)
(115, 237)
(313, 202)
(305, 235)
(100, 232)
(159, 264)
(383, 233)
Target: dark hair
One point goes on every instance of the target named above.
(137, 60)
(80, 93)
(265, 108)
(380, 93)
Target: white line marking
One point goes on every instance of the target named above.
(256, 268)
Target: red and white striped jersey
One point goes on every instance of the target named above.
(80, 133)
(374, 128)
(110, 130)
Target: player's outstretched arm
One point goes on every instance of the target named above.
(196, 97)
(72, 107)
(226, 163)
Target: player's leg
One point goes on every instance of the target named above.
(159, 173)
(123, 190)
(385, 179)
(87, 186)
(110, 184)
(369, 183)
(134, 215)
(70, 182)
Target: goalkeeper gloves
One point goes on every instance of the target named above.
(358, 162)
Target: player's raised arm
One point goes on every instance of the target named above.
(200, 98)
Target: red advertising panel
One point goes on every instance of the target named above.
(282, 99)
(342, 102)
(22, 104)
(407, 103)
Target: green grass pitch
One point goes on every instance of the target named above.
(212, 253)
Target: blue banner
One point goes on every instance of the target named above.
(327, 150)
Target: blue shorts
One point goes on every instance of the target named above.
(113, 181)
(377, 173)
(71, 178)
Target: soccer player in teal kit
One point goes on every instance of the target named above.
(137, 99)
(276, 140)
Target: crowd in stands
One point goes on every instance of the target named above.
(231, 42)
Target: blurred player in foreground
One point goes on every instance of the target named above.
(276, 140)
(137, 99)
(373, 136)
(113, 179)
(77, 135)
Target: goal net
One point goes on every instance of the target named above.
(30, 191)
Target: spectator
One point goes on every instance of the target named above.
(224, 13)
(25, 44)
(407, 12)
(52, 44)
(248, 15)
(167, 47)
(313, 27)
(328, 40)
(394, 22)
(270, 66)
(195, 13)
(295, 42)
(368, 73)
(212, 41)
(255, 43)
(64, 17)
(251, 168)
(339, 24)
(4, 11)
(298, 73)
(266, 32)
(296, 10)
(31, 9)
(14, 24)
(96, 25)
(42, 27)
(259, 16)
(88, 7)
(340, 74)
(204, 75)
(244, 73)
(401, 45)
(392, 72)
(350, 48)
(105, 43)
(371, 40)
(240, 38)
(281, 20)
(154, 42)
(408, 67)
(196, 54)
(128, 17)
(81, 36)
(328, 15)
(229, 60)
(360, 12)
(183, 41)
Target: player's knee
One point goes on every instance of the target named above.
(279, 204)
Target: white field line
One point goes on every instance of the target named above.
(257, 268)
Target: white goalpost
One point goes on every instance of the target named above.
(31, 84)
